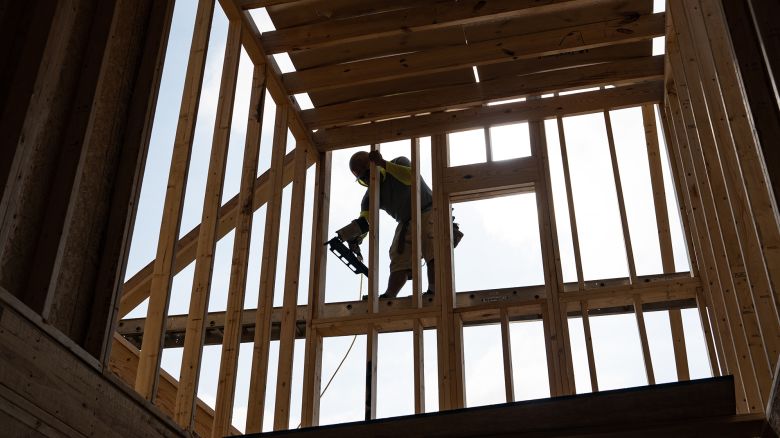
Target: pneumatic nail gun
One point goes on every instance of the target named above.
(346, 245)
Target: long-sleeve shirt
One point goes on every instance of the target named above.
(395, 194)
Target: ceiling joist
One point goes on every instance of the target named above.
(615, 73)
(461, 35)
(426, 16)
(493, 51)
(486, 72)
(420, 126)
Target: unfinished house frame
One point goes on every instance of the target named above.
(78, 119)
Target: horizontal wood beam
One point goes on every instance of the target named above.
(426, 16)
(255, 4)
(136, 289)
(421, 126)
(504, 175)
(604, 297)
(544, 43)
(457, 36)
(486, 73)
(614, 73)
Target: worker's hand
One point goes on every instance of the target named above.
(376, 158)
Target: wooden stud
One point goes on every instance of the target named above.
(575, 238)
(149, 360)
(488, 145)
(226, 388)
(734, 343)
(506, 348)
(418, 346)
(372, 346)
(594, 382)
(204, 260)
(621, 202)
(753, 262)
(418, 331)
(729, 258)
(449, 326)
(722, 286)
(312, 370)
(717, 365)
(683, 202)
(640, 322)
(712, 337)
(373, 237)
(562, 372)
(657, 185)
(664, 234)
(136, 289)
(262, 341)
(372, 335)
(748, 149)
(290, 299)
(678, 341)
(415, 225)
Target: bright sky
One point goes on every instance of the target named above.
(501, 249)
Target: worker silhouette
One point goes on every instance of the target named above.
(395, 194)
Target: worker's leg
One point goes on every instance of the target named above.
(395, 282)
(400, 262)
(431, 276)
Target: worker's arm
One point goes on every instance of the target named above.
(400, 172)
(400, 168)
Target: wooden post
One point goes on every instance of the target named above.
(290, 299)
(732, 337)
(562, 371)
(730, 256)
(718, 364)
(204, 261)
(710, 241)
(154, 329)
(506, 348)
(621, 203)
(231, 340)
(372, 336)
(748, 148)
(449, 330)
(265, 299)
(312, 369)
(640, 322)
(664, 234)
(745, 221)
(575, 239)
(417, 332)
(488, 145)
(594, 382)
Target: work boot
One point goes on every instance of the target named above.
(456, 235)
(383, 296)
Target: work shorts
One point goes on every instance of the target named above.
(402, 261)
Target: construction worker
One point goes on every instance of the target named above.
(395, 180)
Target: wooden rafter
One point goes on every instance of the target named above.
(417, 18)
(546, 43)
(617, 73)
